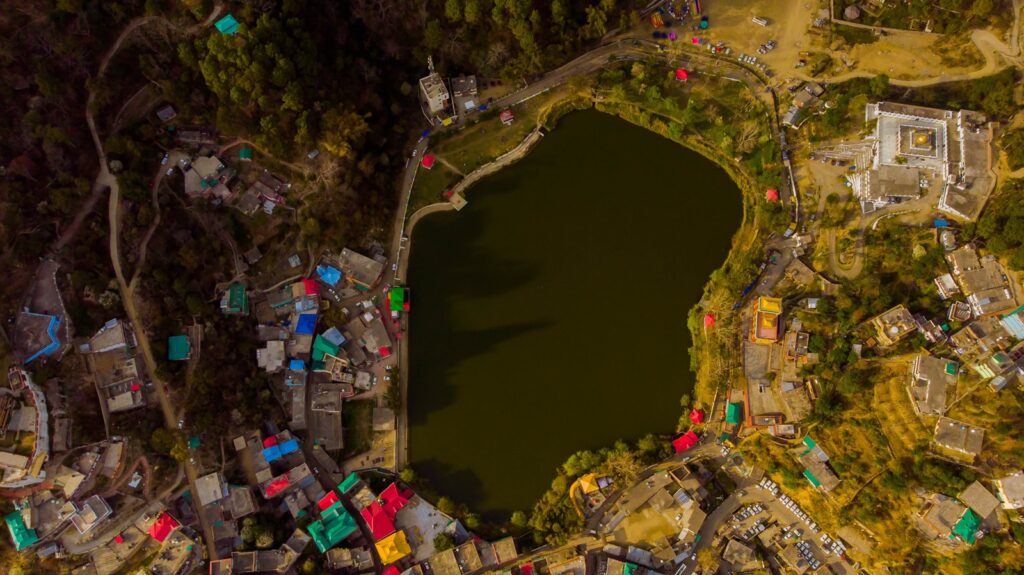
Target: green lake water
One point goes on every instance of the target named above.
(549, 315)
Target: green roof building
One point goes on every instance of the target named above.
(227, 25)
(397, 299)
(322, 347)
(22, 536)
(245, 154)
(334, 525)
(733, 413)
(178, 348)
(966, 527)
(235, 300)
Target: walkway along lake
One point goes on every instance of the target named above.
(549, 315)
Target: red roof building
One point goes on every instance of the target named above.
(709, 320)
(506, 116)
(378, 521)
(327, 500)
(391, 570)
(393, 499)
(697, 416)
(428, 161)
(163, 527)
(772, 195)
(685, 441)
(277, 486)
(309, 284)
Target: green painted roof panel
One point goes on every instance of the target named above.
(348, 483)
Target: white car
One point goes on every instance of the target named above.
(163, 161)
(414, 152)
(170, 171)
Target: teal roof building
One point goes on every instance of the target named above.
(178, 348)
(334, 525)
(21, 535)
(227, 25)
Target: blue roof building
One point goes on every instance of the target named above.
(334, 336)
(330, 275)
(51, 344)
(306, 324)
(1014, 322)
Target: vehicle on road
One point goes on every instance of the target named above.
(163, 161)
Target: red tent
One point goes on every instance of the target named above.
(136, 387)
(118, 539)
(682, 74)
(309, 284)
(384, 352)
(378, 521)
(709, 320)
(772, 195)
(270, 441)
(163, 526)
(696, 40)
(391, 570)
(526, 569)
(685, 441)
(697, 416)
(428, 161)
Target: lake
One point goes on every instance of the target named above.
(549, 315)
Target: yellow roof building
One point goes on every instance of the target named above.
(765, 326)
(588, 483)
(393, 547)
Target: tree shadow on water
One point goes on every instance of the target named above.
(462, 485)
(435, 358)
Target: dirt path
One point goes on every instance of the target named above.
(239, 141)
(147, 479)
(998, 55)
(105, 180)
(846, 270)
(450, 165)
